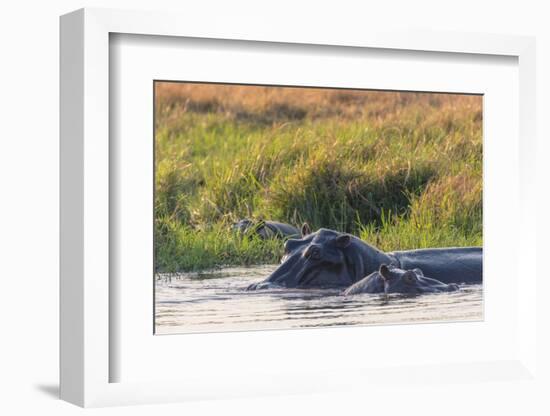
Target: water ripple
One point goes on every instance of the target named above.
(216, 301)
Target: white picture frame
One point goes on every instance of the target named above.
(87, 304)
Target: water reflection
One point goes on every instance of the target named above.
(216, 302)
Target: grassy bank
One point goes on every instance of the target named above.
(400, 170)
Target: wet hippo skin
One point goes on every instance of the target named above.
(450, 265)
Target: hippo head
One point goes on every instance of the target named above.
(390, 279)
(242, 226)
(317, 260)
(249, 228)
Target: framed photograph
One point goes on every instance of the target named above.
(267, 197)
(268, 214)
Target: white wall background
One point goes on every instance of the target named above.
(29, 80)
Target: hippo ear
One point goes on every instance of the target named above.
(305, 229)
(342, 241)
(384, 271)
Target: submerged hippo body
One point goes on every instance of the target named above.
(330, 259)
(391, 279)
(266, 229)
(450, 265)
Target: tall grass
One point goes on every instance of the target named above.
(400, 170)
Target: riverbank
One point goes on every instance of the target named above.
(399, 170)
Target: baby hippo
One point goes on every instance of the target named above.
(390, 279)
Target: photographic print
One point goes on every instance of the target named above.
(297, 207)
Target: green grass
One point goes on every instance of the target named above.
(407, 176)
(182, 248)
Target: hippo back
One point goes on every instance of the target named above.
(280, 229)
(449, 265)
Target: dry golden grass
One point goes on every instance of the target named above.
(272, 104)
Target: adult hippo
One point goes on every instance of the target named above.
(266, 229)
(390, 279)
(330, 259)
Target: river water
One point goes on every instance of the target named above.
(216, 301)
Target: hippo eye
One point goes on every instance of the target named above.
(313, 252)
(409, 278)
